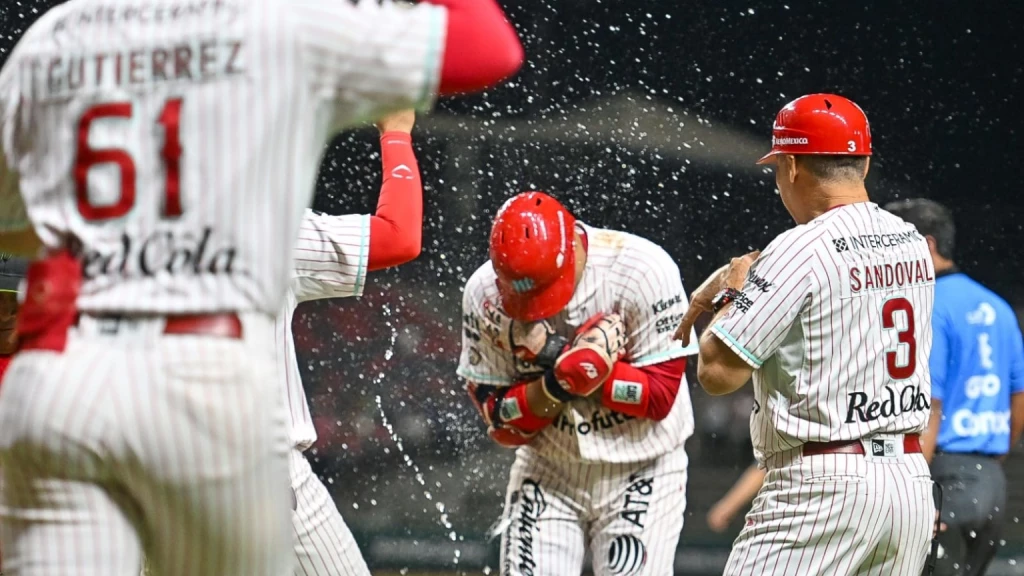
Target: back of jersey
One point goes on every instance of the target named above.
(173, 144)
(876, 325)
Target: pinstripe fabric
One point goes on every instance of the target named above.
(812, 326)
(627, 275)
(838, 514)
(330, 262)
(629, 516)
(136, 441)
(184, 429)
(263, 85)
(324, 545)
(595, 479)
(835, 319)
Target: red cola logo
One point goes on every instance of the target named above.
(888, 404)
(167, 252)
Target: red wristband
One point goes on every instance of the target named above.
(515, 411)
(627, 391)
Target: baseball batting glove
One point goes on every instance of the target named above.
(534, 342)
(598, 345)
(489, 401)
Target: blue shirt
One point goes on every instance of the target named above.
(977, 363)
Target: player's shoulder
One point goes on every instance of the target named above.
(802, 238)
(481, 285)
(627, 252)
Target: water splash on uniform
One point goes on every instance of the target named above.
(418, 474)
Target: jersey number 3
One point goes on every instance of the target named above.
(88, 157)
(904, 338)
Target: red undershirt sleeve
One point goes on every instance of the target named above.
(481, 47)
(648, 392)
(396, 230)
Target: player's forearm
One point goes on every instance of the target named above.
(648, 392)
(744, 490)
(541, 403)
(481, 47)
(1016, 418)
(396, 229)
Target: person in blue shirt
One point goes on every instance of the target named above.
(977, 413)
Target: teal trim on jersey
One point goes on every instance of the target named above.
(731, 342)
(438, 27)
(659, 357)
(364, 257)
(481, 378)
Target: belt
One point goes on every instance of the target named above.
(219, 325)
(225, 325)
(911, 445)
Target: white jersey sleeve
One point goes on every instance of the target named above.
(778, 288)
(656, 302)
(331, 256)
(366, 59)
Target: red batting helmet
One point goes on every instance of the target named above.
(820, 124)
(533, 254)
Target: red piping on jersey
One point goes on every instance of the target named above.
(396, 230)
(481, 47)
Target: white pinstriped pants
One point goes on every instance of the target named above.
(838, 514)
(324, 545)
(628, 515)
(132, 441)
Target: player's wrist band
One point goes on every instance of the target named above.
(553, 389)
(723, 298)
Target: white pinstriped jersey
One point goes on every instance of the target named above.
(330, 262)
(156, 136)
(835, 318)
(624, 274)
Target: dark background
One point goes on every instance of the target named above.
(644, 116)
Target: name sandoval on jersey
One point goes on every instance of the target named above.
(887, 275)
(162, 252)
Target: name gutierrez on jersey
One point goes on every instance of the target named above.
(890, 275)
(49, 77)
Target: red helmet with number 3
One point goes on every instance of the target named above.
(534, 256)
(820, 124)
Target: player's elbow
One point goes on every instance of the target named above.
(712, 378)
(409, 250)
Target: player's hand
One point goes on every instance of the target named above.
(731, 275)
(719, 518)
(533, 342)
(398, 122)
(597, 346)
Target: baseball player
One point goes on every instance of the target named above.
(332, 258)
(977, 368)
(159, 157)
(832, 319)
(568, 354)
